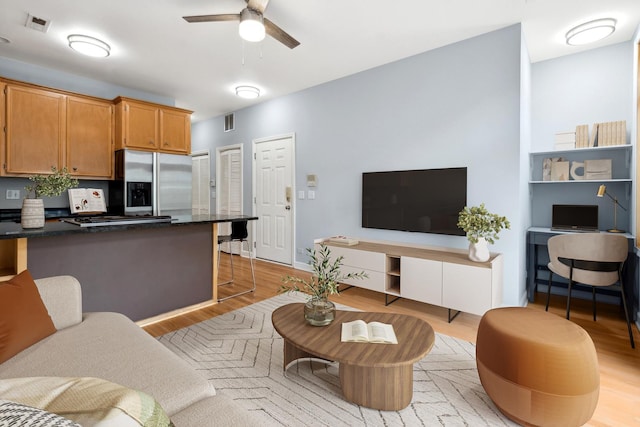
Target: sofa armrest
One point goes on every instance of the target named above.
(63, 298)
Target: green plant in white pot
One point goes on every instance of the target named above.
(52, 185)
(482, 227)
(324, 281)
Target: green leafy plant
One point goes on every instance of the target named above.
(51, 185)
(478, 222)
(325, 278)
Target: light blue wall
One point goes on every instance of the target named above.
(459, 105)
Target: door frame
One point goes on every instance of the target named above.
(254, 144)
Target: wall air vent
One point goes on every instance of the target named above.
(38, 24)
(229, 122)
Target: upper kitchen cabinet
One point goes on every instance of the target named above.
(152, 127)
(90, 125)
(35, 130)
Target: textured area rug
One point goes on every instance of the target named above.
(241, 354)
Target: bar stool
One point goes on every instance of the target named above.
(239, 233)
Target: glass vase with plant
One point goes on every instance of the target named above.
(324, 281)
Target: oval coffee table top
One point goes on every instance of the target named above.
(415, 337)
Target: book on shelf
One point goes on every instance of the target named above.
(86, 200)
(593, 139)
(373, 332)
(343, 240)
(582, 136)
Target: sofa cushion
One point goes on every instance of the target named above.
(24, 319)
(18, 414)
(87, 401)
(112, 347)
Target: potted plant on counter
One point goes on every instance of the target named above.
(482, 227)
(324, 281)
(54, 184)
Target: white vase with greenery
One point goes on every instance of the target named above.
(324, 281)
(482, 228)
(54, 184)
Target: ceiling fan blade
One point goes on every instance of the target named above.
(279, 34)
(259, 5)
(212, 18)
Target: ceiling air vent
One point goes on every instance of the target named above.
(229, 122)
(38, 24)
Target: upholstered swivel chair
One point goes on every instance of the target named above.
(594, 259)
(239, 233)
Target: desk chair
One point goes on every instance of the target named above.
(239, 233)
(594, 259)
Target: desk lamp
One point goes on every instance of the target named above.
(601, 192)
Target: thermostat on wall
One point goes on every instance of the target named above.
(311, 181)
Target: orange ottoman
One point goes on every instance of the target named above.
(538, 368)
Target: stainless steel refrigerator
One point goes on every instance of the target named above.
(151, 184)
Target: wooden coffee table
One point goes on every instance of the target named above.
(378, 376)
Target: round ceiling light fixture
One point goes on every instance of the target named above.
(89, 46)
(251, 26)
(590, 32)
(248, 92)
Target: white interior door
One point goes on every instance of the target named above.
(200, 179)
(229, 184)
(273, 190)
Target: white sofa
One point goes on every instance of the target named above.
(112, 347)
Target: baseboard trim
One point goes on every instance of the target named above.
(174, 313)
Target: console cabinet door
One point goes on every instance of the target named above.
(466, 288)
(372, 263)
(421, 280)
(35, 130)
(89, 137)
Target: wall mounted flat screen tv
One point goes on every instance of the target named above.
(426, 200)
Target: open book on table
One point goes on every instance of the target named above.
(86, 200)
(375, 332)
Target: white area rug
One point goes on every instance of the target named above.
(241, 354)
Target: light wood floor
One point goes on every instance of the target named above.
(619, 403)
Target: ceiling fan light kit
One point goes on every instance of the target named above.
(89, 46)
(251, 26)
(248, 92)
(590, 32)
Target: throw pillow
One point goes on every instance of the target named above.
(24, 319)
(17, 414)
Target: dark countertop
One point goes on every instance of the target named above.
(13, 230)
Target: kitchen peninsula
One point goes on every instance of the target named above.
(140, 270)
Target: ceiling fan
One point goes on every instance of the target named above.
(253, 25)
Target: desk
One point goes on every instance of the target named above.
(538, 257)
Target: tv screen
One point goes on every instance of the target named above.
(426, 200)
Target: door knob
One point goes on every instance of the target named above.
(288, 207)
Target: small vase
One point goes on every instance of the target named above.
(319, 312)
(32, 215)
(479, 252)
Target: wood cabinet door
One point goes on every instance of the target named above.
(89, 137)
(35, 130)
(175, 131)
(141, 126)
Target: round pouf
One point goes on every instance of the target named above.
(538, 368)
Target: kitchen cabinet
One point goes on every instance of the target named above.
(35, 130)
(89, 137)
(152, 127)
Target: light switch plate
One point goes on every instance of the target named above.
(13, 194)
(301, 195)
(311, 195)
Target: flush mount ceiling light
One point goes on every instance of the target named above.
(251, 26)
(590, 32)
(248, 92)
(89, 46)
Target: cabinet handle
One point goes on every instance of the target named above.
(166, 144)
(75, 169)
(150, 142)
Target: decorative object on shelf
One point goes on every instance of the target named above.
(482, 227)
(597, 169)
(547, 165)
(610, 133)
(32, 215)
(574, 173)
(565, 140)
(560, 170)
(324, 281)
(601, 192)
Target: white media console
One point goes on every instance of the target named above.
(438, 276)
